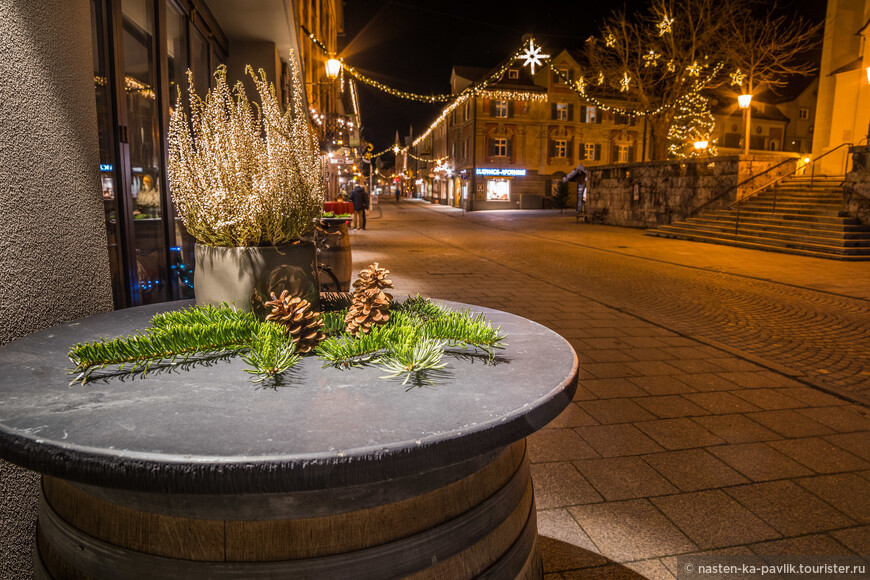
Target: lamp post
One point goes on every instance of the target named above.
(744, 101)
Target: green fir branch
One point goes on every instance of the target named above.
(412, 359)
(160, 345)
(208, 314)
(333, 322)
(346, 350)
(272, 352)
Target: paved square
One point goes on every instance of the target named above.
(693, 428)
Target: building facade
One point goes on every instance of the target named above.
(507, 147)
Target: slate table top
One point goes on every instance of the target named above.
(210, 429)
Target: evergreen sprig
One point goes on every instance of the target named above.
(411, 343)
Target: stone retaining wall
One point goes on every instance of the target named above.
(856, 189)
(661, 192)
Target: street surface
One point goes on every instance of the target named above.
(723, 394)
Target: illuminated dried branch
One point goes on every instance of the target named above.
(240, 177)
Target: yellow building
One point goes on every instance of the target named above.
(843, 112)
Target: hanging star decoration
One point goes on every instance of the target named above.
(672, 66)
(737, 77)
(600, 78)
(581, 84)
(624, 82)
(665, 25)
(533, 56)
(694, 69)
(651, 59)
(610, 40)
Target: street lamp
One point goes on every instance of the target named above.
(333, 67)
(701, 146)
(744, 101)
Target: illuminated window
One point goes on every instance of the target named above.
(590, 114)
(622, 154)
(561, 111)
(590, 149)
(560, 148)
(498, 190)
(513, 74)
(499, 147)
(501, 109)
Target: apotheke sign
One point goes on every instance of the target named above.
(500, 171)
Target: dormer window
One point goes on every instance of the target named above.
(513, 74)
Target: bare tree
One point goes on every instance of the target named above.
(764, 52)
(678, 47)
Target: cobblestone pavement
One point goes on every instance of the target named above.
(693, 429)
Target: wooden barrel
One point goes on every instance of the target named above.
(337, 256)
(475, 519)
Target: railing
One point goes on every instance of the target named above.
(738, 186)
(755, 192)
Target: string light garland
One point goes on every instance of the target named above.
(533, 57)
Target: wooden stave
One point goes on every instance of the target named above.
(518, 510)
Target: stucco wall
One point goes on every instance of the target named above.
(53, 258)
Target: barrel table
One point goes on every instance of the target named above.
(197, 472)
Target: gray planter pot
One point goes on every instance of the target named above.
(245, 277)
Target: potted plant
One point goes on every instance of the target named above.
(248, 185)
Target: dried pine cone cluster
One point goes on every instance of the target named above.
(303, 325)
(371, 305)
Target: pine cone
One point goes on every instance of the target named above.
(303, 325)
(371, 305)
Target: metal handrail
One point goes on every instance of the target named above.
(780, 178)
(737, 186)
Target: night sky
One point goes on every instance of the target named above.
(412, 45)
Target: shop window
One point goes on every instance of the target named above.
(498, 190)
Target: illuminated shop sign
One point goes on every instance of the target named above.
(105, 166)
(500, 171)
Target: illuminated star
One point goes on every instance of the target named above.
(533, 56)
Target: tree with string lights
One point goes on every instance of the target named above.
(693, 122)
(680, 47)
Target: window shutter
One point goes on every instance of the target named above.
(553, 111)
(492, 108)
(492, 147)
(582, 113)
(510, 143)
(598, 115)
(552, 149)
(614, 154)
(631, 154)
(570, 111)
(598, 152)
(581, 149)
(510, 108)
(569, 149)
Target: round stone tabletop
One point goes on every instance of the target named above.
(209, 429)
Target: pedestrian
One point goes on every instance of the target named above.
(398, 193)
(360, 200)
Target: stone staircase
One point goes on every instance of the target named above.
(806, 221)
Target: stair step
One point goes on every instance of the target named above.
(756, 244)
(774, 237)
(846, 231)
(789, 217)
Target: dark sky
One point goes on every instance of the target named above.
(413, 44)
